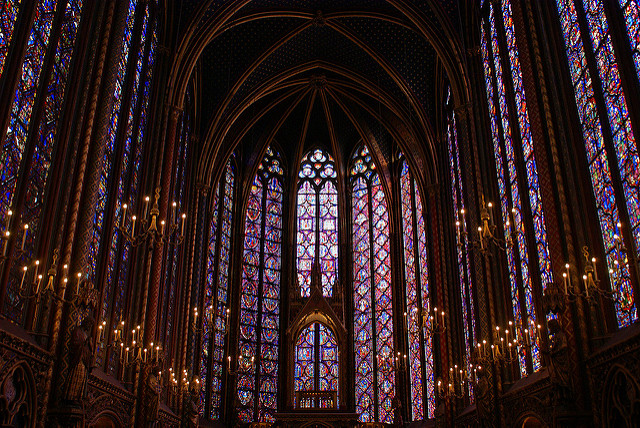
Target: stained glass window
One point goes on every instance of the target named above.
(109, 149)
(8, 15)
(21, 121)
(316, 363)
(373, 312)
(317, 208)
(464, 265)
(624, 154)
(216, 295)
(420, 342)
(257, 362)
(631, 13)
(500, 69)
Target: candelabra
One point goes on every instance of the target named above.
(486, 230)
(5, 236)
(456, 384)
(389, 362)
(506, 345)
(244, 364)
(134, 352)
(211, 320)
(432, 321)
(149, 220)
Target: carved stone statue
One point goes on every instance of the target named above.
(81, 361)
(559, 370)
(151, 395)
(190, 415)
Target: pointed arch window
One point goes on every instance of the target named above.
(519, 190)
(316, 364)
(216, 298)
(260, 294)
(372, 293)
(317, 221)
(28, 133)
(464, 264)
(610, 142)
(420, 342)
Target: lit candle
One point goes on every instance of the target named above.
(173, 212)
(490, 205)
(133, 225)
(35, 273)
(24, 273)
(7, 224)
(146, 205)
(6, 243)
(480, 235)
(123, 221)
(586, 287)
(464, 227)
(442, 319)
(24, 236)
(184, 216)
(595, 271)
(162, 227)
(38, 285)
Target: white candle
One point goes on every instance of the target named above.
(35, 273)
(123, 221)
(146, 205)
(184, 216)
(595, 271)
(133, 225)
(24, 236)
(24, 273)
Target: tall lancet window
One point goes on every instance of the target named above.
(257, 362)
(420, 357)
(520, 200)
(372, 294)
(216, 296)
(610, 143)
(317, 237)
(464, 265)
(27, 147)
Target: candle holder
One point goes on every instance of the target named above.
(134, 353)
(243, 364)
(455, 386)
(505, 347)
(5, 237)
(486, 230)
(148, 223)
(433, 322)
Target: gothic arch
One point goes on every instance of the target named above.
(18, 403)
(620, 399)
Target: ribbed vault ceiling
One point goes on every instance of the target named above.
(309, 73)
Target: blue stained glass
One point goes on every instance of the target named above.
(8, 15)
(373, 314)
(464, 265)
(420, 357)
(47, 127)
(257, 362)
(600, 161)
(317, 219)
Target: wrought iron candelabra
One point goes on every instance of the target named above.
(486, 230)
(151, 227)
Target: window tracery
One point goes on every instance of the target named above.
(317, 221)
